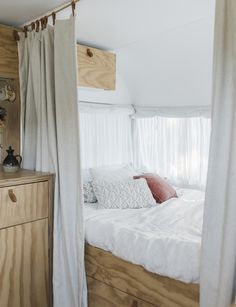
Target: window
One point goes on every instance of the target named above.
(105, 139)
(176, 148)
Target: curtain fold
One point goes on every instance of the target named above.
(175, 148)
(105, 137)
(48, 82)
(219, 229)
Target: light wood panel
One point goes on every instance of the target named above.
(98, 71)
(9, 70)
(21, 177)
(24, 265)
(23, 203)
(138, 282)
(8, 53)
(101, 295)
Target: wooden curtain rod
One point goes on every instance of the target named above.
(44, 20)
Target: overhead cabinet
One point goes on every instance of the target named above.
(96, 68)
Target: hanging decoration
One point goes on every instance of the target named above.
(7, 93)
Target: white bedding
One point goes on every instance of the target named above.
(165, 239)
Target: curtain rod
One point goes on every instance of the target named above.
(44, 20)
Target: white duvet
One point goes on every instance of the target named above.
(165, 239)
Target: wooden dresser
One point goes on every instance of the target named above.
(26, 239)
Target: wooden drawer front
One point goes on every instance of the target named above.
(23, 203)
(102, 295)
(24, 265)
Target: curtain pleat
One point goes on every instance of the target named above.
(176, 148)
(218, 273)
(105, 138)
(50, 142)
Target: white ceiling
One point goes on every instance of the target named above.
(163, 47)
(111, 24)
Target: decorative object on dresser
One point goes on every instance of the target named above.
(10, 163)
(9, 114)
(26, 239)
(7, 93)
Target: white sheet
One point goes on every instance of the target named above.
(165, 239)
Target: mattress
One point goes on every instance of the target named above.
(165, 239)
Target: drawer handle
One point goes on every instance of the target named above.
(12, 196)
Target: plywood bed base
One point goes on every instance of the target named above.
(113, 282)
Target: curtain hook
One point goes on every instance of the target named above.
(37, 25)
(53, 18)
(25, 30)
(16, 35)
(42, 23)
(32, 26)
(73, 7)
(45, 21)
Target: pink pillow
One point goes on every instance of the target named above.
(160, 188)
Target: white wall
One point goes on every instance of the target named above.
(172, 69)
(119, 96)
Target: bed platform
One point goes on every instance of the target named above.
(113, 282)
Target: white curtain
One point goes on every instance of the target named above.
(175, 148)
(50, 142)
(105, 135)
(219, 231)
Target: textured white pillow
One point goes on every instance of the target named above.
(89, 195)
(123, 194)
(111, 174)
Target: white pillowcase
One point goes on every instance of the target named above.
(123, 194)
(112, 173)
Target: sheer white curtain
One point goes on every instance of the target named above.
(176, 148)
(48, 84)
(218, 275)
(105, 135)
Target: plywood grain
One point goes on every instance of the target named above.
(21, 177)
(31, 203)
(101, 295)
(8, 53)
(24, 265)
(98, 71)
(136, 281)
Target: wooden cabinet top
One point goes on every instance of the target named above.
(21, 177)
(96, 68)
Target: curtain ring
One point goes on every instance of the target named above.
(25, 31)
(37, 25)
(73, 7)
(32, 26)
(53, 18)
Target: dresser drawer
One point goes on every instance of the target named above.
(23, 203)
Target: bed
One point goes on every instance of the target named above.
(145, 257)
